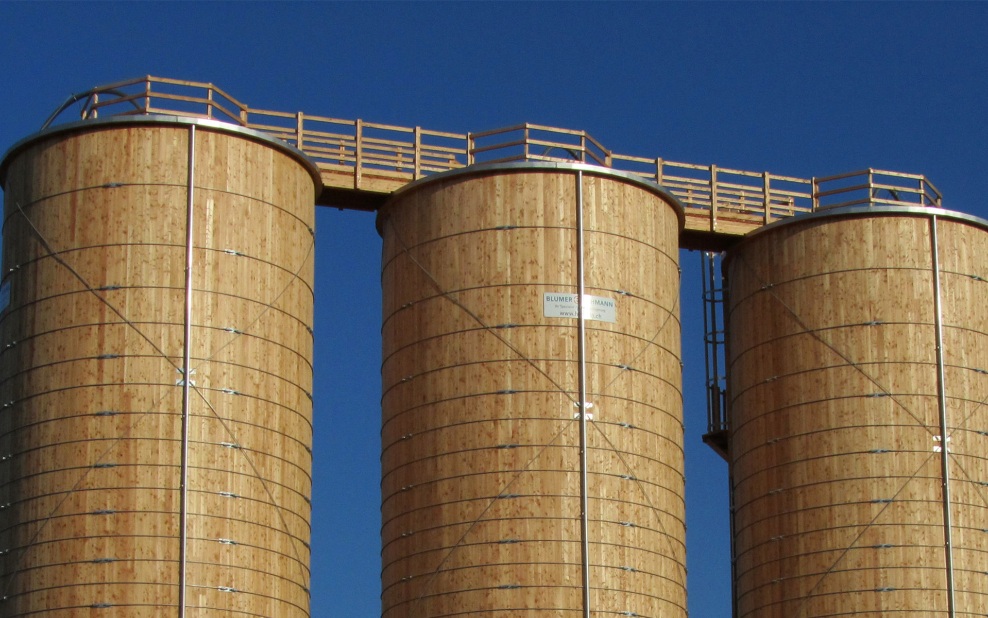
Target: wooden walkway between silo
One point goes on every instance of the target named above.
(363, 163)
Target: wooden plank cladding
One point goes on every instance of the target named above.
(836, 445)
(92, 341)
(480, 463)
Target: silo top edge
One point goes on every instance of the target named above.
(546, 166)
(162, 119)
(862, 211)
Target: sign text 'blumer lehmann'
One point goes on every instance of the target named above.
(560, 305)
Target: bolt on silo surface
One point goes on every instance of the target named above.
(93, 346)
(481, 460)
(858, 367)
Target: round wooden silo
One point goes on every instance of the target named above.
(92, 371)
(840, 393)
(481, 461)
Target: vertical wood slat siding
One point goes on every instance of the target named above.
(93, 433)
(832, 370)
(468, 419)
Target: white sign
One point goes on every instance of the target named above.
(560, 305)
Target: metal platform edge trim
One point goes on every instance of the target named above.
(863, 211)
(561, 166)
(163, 119)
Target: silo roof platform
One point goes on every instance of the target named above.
(362, 163)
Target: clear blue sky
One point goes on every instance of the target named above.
(803, 89)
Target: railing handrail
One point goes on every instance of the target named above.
(335, 144)
(867, 187)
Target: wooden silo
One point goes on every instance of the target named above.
(857, 348)
(98, 509)
(481, 487)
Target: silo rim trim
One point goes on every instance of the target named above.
(549, 166)
(162, 119)
(864, 211)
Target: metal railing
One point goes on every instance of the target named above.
(402, 154)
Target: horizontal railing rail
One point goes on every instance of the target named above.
(363, 149)
(533, 142)
(873, 186)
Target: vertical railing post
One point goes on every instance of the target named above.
(299, 130)
(814, 195)
(767, 198)
(713, 198)
(525, 140)
(209, 101)
(583, 146)
(147, 95)
(470, 147)
(94, 109)
(417, 164)
(358, 149)
(658, 170)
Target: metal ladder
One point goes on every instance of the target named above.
(718, 426)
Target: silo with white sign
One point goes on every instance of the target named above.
(486, 365)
